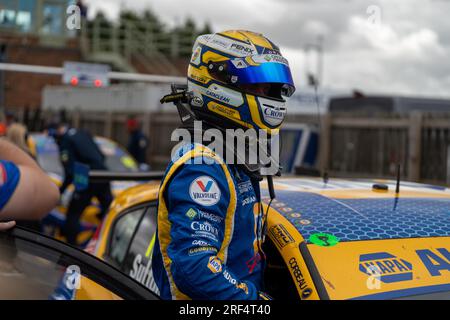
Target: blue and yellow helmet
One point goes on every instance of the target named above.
(239, 79)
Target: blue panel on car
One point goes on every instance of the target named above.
(364, 219)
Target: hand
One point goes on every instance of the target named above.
(7, 225)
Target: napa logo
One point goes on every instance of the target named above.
(387, 267)
(205, 191)
(215, 265)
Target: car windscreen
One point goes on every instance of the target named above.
(47, 154)
(116, 158)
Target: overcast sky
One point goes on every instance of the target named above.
(377, 46)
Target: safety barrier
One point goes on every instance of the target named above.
(373, 146)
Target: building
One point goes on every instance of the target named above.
(33, 32)
(36, 33)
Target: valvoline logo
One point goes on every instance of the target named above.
(203, 187)
(205, 191)
(388, 267)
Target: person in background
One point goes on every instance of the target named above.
(26, 192)
(17, 134)
(78, 146)
(138, 143)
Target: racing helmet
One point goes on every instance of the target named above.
(239, 79)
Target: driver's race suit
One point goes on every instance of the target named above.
(9, 179)
(210, 226)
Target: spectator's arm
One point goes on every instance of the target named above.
(35, 194)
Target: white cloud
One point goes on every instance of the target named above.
(406, 54)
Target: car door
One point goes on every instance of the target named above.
(36, 267)
(134, 230)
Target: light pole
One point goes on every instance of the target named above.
(317, 79)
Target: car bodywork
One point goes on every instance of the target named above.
(389, 245)
(342, 239)
(117, 159)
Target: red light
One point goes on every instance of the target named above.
(74, 81)
(97, 83)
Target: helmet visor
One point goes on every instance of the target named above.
(261, 69)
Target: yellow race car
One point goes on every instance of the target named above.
(337, 239)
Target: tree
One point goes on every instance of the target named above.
(139, 26)
(206, 29)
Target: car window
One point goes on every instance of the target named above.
(137, 263)
(122, 233)
(116, 158)
(121, 163)
(39, 268)
(50, 163)
(47, 155)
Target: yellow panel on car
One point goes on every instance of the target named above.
(384, 269)
(90, 290)
(287, 240)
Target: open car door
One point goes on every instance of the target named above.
(34, 266)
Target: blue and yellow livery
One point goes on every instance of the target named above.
(349, 241)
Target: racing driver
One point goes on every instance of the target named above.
(211, 223)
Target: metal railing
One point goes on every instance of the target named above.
(131, 37)
(363, 146)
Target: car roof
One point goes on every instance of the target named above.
(136, 195)
(352, 210)
(42, 137)
(348, 209)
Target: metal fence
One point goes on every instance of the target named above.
(372, 147)
(135, 43)
(132, 36)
